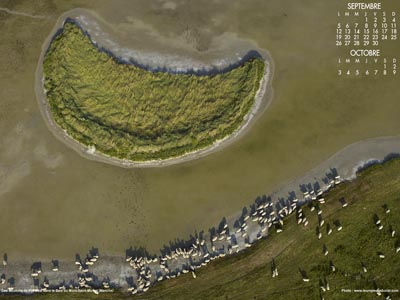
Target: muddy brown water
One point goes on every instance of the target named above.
(53, 202)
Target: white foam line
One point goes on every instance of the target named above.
(22, 14)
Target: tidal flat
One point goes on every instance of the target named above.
(55, 202)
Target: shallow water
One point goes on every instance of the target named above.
(54, 202)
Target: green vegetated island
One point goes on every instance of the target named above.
(128, 112)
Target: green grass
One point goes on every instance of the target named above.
(130, 113)
(247, 275)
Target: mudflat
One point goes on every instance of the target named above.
(56, 203)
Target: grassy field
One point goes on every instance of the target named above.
(247, 275)
(130, 113)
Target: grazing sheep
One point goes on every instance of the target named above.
(319, 234)
(397, 246)
(34, 274)
(11, 284)
(55, 265)
(304, 275)
(279, 227)
(322, 286)
(36, 269)
(46, 283)
(343, 202)
(276, 273)
(321, 221)
(326, 283)
(378, 293)
(380, 254)
(319, 210)
(274, 269)
(364, 267)
(106, 284)
(392, 231)
(332, 266)
(84, 268)
(325, 250)
(78, 260)
(386, 208)
(338, 225)
(328, 229)
(376, 219)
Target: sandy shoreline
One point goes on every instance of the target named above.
(346, 162)
(262, 100)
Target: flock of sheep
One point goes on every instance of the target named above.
(187, 256)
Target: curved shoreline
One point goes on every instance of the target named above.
(262, 99)
(347, 160)
(117, 269)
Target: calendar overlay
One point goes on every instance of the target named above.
(366, 34)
